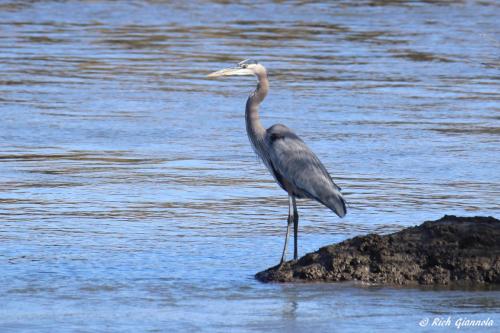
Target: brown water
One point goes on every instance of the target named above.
(130, 197)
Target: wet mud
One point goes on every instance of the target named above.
(461, 250)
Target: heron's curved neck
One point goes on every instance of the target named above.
(255, 130)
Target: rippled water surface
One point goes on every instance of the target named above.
(131, 200)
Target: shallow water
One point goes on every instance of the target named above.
(130, 197)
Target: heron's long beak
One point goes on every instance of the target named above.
(231, 71)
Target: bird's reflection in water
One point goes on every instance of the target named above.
(291, 303)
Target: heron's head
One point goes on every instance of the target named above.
(246, 67)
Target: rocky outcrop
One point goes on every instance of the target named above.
(449, 250)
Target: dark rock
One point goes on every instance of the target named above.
(449, 250)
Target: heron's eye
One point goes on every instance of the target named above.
(244, 66)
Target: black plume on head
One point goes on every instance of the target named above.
(247, 62)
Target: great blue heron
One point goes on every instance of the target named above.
(293, 165)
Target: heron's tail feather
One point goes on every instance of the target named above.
(336, 203)
(333, 200)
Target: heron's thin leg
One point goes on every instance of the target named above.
(295, 229)
(289, 223)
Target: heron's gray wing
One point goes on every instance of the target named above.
(294, 162)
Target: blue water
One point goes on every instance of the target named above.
(130, 198)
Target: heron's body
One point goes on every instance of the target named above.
(293, 165)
